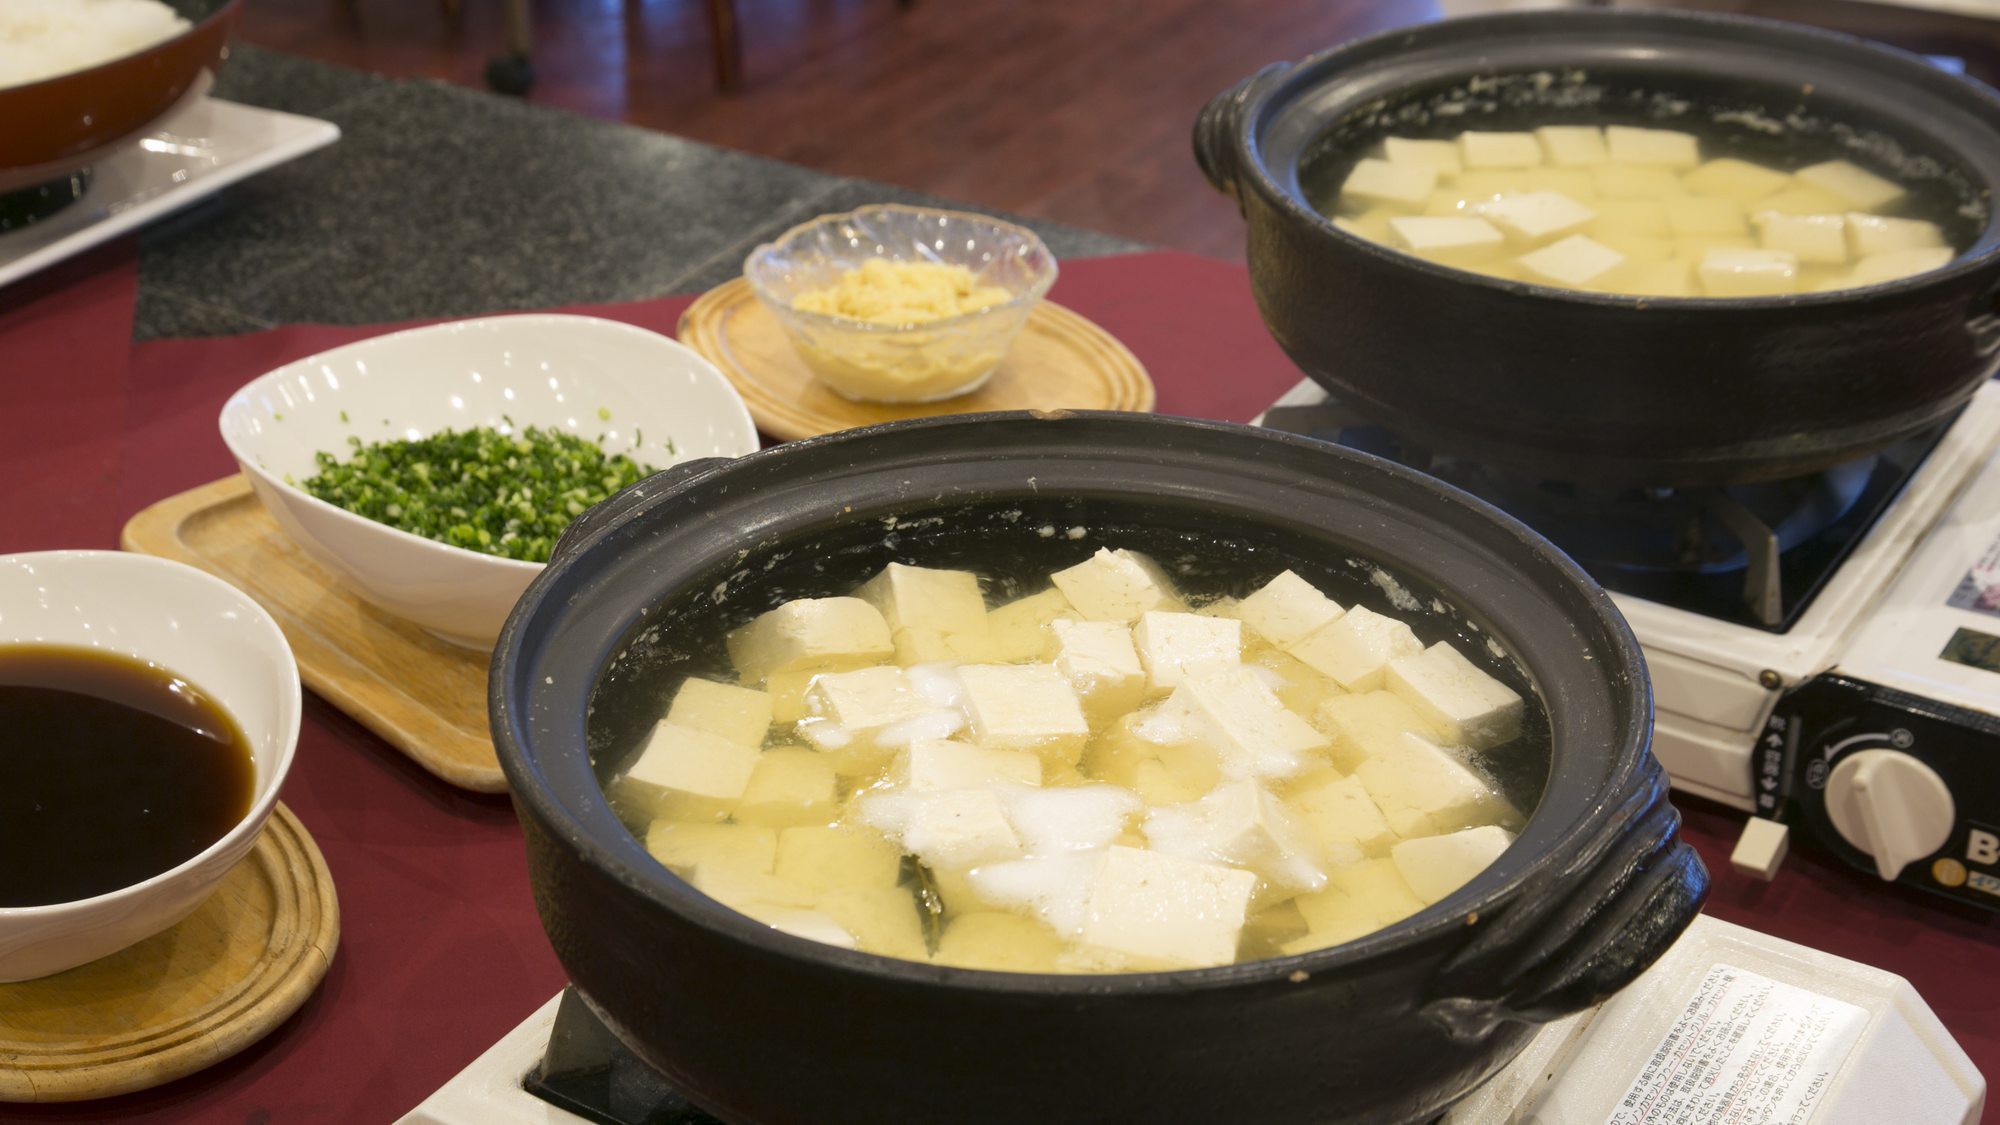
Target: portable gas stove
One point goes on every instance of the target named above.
(1730, 1025)
(1825, 652)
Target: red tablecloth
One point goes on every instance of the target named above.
(440, 950)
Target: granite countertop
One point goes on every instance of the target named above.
(444, 201)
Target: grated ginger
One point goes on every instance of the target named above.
(889, 292)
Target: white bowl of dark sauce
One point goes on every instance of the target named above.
(148, 715)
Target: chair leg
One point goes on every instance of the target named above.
(514, 72)
(726, 43)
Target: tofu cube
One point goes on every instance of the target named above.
(928, 646)
(810, 634)
(1673, 277)
(856, 706)
(1466, 705)
(1367, 724)
(1435, 866)
(1100, 662)
(1299, 687)
(1878, 268)
(1020, 629)
(1695, 247)
(1535, 217)
(1577, 183)
(1814, 239)
(1861, 189)
(1116, 586)
(1339, 818)
(999, 942)
(883, 920)
(741, 715)
(948, 601)
(1242, 720)
(1166, 911)
(1576, 261)
(741, 887)
(1740, 180)
(1175, 646)
(1360, 899)
(1880, 234)
(1453, 241)
(953, 829)
(1628, 181)
(789, 786)
(1632, 216)
(1287, 609)
(1490, 183)
(1699, 214)
(1174, 777)
(725, 848)
(1748, 273)
(1355, 649)
(828, 858)
(1241, 825)
(812, 925)
(1402, 186)
(936, 764)
(1424, 790)
(1025, 707)
(1663, 148)
(1439, 155)
(1800, 199)
(1637, 249)
(686, 774)
(1573, 146)
(1499, 150)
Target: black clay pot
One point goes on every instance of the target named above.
(756, 1025)
(1606, 389)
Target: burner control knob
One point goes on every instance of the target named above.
(1891, 806)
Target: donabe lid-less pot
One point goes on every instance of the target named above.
(1605, 388)
(1594, 889)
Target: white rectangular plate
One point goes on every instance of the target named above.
(197, 151)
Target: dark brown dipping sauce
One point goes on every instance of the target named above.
(112, 770)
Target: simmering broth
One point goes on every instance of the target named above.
(1002, 772)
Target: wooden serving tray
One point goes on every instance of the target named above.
(1060, 361)
(183, 999)
(424, 696)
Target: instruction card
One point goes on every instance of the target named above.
(1746, 1050)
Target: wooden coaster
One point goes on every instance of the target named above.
(1060, 361)
(424, 696)
(183, 999)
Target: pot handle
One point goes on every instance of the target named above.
(1218, 125)
(615, 507)
(1579, 931)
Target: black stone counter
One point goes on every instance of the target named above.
(444, 201)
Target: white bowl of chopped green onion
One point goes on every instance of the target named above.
(432, 469)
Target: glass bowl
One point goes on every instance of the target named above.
(921, 362)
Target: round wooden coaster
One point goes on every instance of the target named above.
(1060, 361)
(183, 999)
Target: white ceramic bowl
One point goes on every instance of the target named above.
(198, 627)
(538, 370)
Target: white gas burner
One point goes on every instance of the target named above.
(1872, 722)
(1729, 1025)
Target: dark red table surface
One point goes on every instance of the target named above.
(440, 950)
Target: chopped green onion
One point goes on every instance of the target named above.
(503, 494)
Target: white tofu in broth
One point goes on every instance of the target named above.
(1135, 785)
(1636, 209)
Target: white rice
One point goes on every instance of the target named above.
(43, 38)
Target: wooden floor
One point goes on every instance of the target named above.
(1074, 110)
